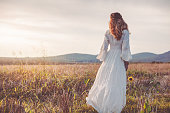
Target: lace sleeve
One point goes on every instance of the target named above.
(103, 50)
(126, 53)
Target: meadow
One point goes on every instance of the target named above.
(62, 88)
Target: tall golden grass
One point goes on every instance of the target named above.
(63, 88)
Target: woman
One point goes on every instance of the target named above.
(108, 93)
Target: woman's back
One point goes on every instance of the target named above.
(114, 43)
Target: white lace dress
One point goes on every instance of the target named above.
(108, 92)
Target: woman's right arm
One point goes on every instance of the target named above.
(126, 53)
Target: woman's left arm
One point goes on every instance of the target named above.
(103, 50)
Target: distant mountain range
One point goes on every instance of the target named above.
(83, 58)
(151, 57)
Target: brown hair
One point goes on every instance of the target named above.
(117, 25)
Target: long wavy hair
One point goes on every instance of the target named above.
(117, 25)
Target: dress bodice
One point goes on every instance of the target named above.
(114, 43)
(122, 45)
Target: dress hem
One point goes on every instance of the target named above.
(90, 103)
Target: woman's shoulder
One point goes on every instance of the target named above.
(107, 34)
(125, 34)
(107, 31)
(125, 31)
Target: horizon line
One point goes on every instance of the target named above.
(67, 54)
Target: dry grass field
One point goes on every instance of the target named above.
(63, 88)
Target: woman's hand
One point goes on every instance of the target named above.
(126, 63)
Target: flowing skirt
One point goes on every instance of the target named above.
(108, 92)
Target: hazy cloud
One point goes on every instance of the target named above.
(79, 25)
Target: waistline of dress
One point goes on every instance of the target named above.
(115, 49)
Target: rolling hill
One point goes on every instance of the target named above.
(83, 58)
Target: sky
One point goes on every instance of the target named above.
(35, 28)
